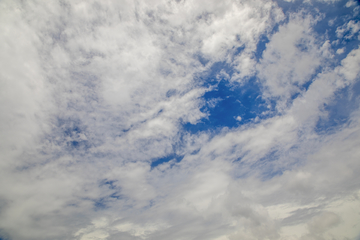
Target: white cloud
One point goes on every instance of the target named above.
(350, 65)
(290, 59)
(348, 30)
(350, 3)
(93, 92)
(340, 51)
(24, 89)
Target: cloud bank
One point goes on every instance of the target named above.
(180, 119)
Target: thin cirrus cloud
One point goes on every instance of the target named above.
(182, 119)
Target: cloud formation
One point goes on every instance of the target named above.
(179, 119)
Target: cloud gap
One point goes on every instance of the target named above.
(338, 111)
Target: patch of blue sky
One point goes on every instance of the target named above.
(345, 46)
(115, 194)
(335, 10)
(261, 46)
(78, 145)
(305, 86)
(158, 161)
(333, 18)
(329, 18)
(3, 236)
(235, 51)
(289, 6)
(228, 104)
(108, 183)
(100, 205)
(339, 110)
(264, 39)
(72, 129)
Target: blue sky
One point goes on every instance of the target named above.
(189, 119)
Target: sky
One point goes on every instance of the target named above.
(180, 119)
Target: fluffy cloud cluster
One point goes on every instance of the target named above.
(97, 98)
